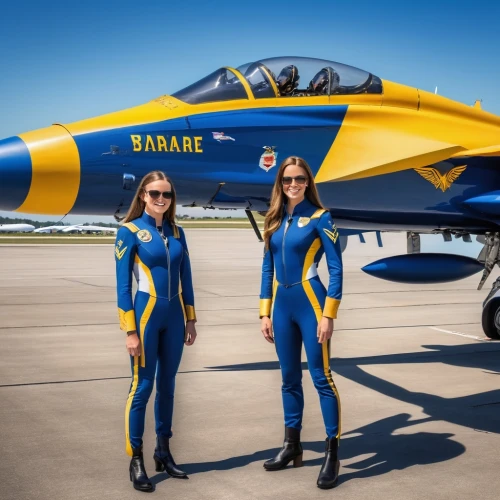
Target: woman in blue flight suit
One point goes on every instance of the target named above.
(159, 321)
(295, 304)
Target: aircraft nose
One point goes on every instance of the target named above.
(15, 173)
(42, 172)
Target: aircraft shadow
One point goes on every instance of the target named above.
(380, 447)
(476, 411)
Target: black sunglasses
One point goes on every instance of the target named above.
(300, 179)
(155, 194)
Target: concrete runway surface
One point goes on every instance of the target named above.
(419, 384)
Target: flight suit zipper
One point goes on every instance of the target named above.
(288, 223)
(165, 242)
(168, 266)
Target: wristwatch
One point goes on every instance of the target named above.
(131, 332)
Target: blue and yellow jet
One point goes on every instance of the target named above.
(387, 157)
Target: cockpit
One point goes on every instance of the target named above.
(286, 77)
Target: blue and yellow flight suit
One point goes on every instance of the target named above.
(295, 299)
(162, 304)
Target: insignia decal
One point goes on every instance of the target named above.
(144, 235)
(268, 158)
(120, 253)
(219, 136)
(303, 221)
(441, 181)
(333, 235)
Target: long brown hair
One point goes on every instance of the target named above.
(138, 204)
(275, 212)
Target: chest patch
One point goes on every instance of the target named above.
(144, 235)
(303, 221)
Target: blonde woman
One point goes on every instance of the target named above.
(158, 321)
(296, 309)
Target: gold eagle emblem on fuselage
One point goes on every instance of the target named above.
(441, 181)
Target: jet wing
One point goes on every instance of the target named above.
(487, 151)
(368, 145)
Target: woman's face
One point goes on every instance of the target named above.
(154, 196)
(295, 181)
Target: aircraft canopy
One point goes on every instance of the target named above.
(287, 77)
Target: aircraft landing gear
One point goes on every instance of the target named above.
(490, 255)
(491, 312)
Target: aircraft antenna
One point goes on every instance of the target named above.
(59, 221)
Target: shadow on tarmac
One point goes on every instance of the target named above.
(379, 444)
(476, 411)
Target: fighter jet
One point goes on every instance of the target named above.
(386, 157)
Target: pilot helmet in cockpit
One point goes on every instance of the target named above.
(320, 81)
(288, 80)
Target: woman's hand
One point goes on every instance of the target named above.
(190, 335)
(325, 329)
(266, 328)
(133, 344)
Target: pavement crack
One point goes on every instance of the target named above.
(52, 382)
(84, 283)
(56, 326)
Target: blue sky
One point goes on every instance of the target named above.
(63, 61)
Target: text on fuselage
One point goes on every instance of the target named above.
(168, 144)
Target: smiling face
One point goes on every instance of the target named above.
(156, 205)
(295, 181)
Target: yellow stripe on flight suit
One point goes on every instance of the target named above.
(308, 289)
(265, 305)
(331, 305)
(190, 313)
(318, 213)
(182, 303)
(55, 178)
(131, 226)
(148, 309)
(127, 318)
(135, 381)
(273, 299)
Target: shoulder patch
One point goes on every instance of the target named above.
(120, 252)
(318, 213)
(131, 227)
(333, 235)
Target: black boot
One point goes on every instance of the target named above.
(292, 450)
(164, 460)
(329, 473)
(138, 475)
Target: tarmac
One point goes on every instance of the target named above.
(418, 381)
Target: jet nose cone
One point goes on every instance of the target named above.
(15, 173)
